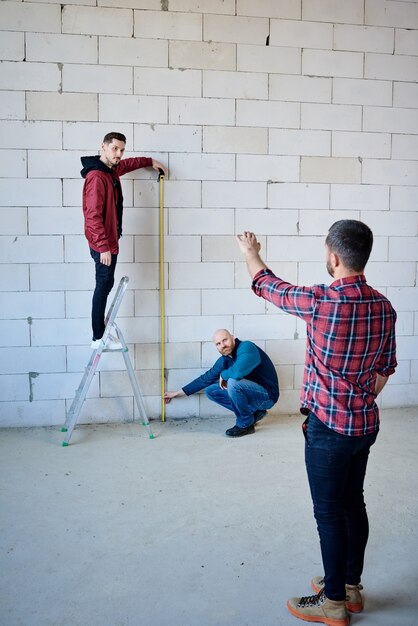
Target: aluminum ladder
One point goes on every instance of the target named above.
(80, 395)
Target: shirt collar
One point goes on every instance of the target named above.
(349, 280)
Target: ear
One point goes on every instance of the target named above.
(335, 259)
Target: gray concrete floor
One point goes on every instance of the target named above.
(191, 528)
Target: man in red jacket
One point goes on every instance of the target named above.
(103, 209)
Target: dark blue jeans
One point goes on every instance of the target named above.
(243, 397)
(105, 278)
(336, 466)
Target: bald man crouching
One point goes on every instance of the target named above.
(243, 380)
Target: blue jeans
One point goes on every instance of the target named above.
(105, 278)
(336, 466)
(243, 397)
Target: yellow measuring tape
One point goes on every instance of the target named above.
(162, 302)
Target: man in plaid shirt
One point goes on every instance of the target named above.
(350, 353)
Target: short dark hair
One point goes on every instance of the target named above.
(352, 240)
(111, 136)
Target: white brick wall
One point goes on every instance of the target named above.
(281, 136)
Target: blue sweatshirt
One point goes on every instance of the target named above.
(246, 361)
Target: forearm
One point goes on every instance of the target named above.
(254, 263)
(380, 383)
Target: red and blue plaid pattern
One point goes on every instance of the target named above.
(350, 339)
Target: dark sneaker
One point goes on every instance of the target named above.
(353, 601)
(319, 608)
(258, 415)
(236, 431)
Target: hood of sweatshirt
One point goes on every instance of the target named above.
(90, 163)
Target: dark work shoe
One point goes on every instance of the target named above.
(258, 415)
(236, 431)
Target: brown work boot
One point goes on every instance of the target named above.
(353, 601)
(319, 608)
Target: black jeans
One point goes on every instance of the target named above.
(105, 278)
(336, 466)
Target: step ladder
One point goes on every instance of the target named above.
(110, 328)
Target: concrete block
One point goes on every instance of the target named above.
(14, 333)
(313, 274)
(140, 52)
(332, 63)
(202, 166)
(268, 114)
(141, 275)
(88, 136)
(16, 163)
(27, 304)
(391, 67)
(222, 248)
(145, 195)
(330, 169)
(14, 388)
(319, 222)
(385, 172)
(404, 248)
(201, 275)
(270, 221)
(106, 411)
(300, 142)
(210, 353)
(29, 414)
(414, 372)
(62, 106)
(196, 328)
(72, 190)
(182, 193)
(203, 55)
(140, 220)
(183, 302)
(399, 395)
(61, 386)
(285, 374)
(12, 105)
(405, 147)
(167, 81)
(288, 270)
(404, 94)
(61, 48)
(224, 302)
(404, 323)
(403, 198)
(363, 38)
(295, 249)
(380, 250)
(269, 168)
(206, 111)
(62, 276)
(153, 5)
(76, 248)
(300, 34)
(277, 326)
(270, 8)
(331, 116)
(12, 46)
(251, 58)
(336, 11)
(182, 408)
(38, 135)
(22, 76)
(168, 25)
(299, 88)
(97, 79)
(176, 248)
(117, 384)
(97, 21)
(14, 221)
(360, 197)
(79, 356)
(14, 277)
(298, 196)
(404, 299)
(19, 16)
(201, 221)
(361, 91)
(62, 332)
(407, 347)
(78, 303)
(55, 220)
(235, 29)
(180, 355)
(147, 356)
(21, 360)
(54, 164)
(28, 249)
(247, 85)
(30, 192)
(391, 274)
(345, 144)
(406, 42)
(226, 7)
(208, 409)
(395, 14)
(234, 194)
(235, 139)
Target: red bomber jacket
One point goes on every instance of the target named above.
(103, 200)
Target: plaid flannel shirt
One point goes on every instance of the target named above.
(350, 339)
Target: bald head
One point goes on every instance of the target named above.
(224, 341)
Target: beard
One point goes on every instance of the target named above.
(330, 269)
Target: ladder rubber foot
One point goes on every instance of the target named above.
(152, 436)
(65, 444)
(64, 429)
